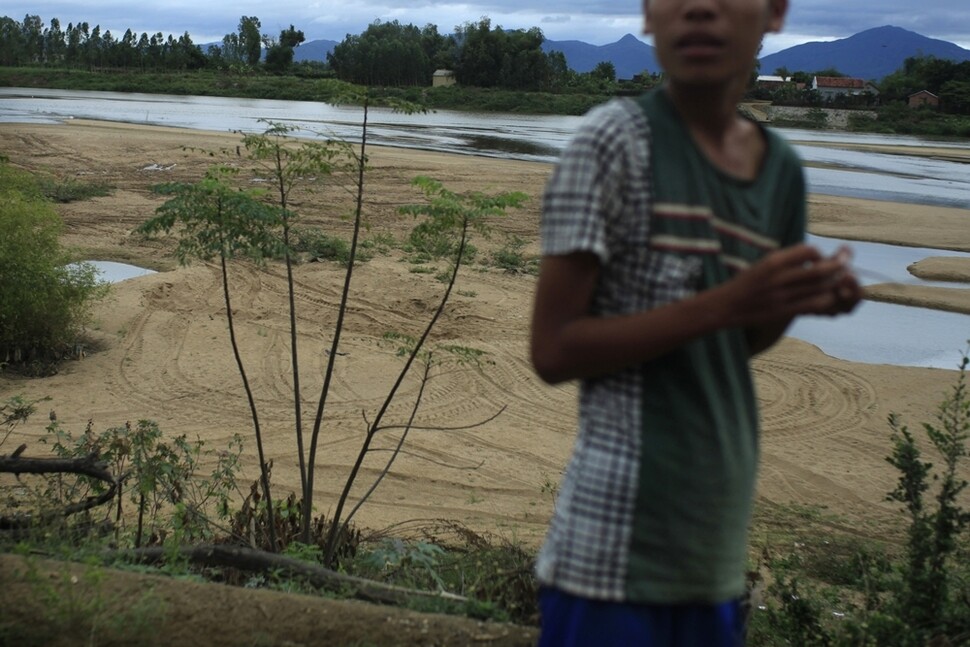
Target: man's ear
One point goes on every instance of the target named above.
(646, 16)
(777, 10)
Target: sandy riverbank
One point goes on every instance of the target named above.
(163, 353)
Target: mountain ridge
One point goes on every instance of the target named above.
(870, 54)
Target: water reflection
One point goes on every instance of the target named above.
(112, 272)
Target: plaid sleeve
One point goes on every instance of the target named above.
(584, 193)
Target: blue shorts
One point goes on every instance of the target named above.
(570, 621)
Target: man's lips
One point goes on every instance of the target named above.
(699, 43)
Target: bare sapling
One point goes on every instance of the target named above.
(216, 220)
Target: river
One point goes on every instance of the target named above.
(875, 333)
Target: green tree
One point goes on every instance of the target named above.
(291, 165)
(33, 33)
(250, 40)
(479, 57)
(389, 53)
(449, 217)
(279, 53)
(955, 96)
(45, 300)
(12, 44)
(231, 51)
(488, 57)
(604, 70)
(54, 43)
(934, 531)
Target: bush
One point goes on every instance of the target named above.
(919, 600)
(315, 245)
(511, 259)
(44, 299)
(73, 190)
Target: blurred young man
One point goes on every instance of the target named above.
(672, 254)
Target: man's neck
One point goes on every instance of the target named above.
(710, 114)
(708, 109)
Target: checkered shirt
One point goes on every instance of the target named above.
(599, 200)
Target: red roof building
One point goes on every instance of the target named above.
(833, 86)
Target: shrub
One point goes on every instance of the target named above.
(921, 600)
(73, 190)
(44, 299)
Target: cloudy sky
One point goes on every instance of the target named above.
(593, 21)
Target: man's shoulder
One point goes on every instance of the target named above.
(620, 114)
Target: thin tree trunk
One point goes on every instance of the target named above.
(263, 469)
(297, 397)
(341, 312)
(331, 544)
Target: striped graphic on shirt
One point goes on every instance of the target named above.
(693, 229)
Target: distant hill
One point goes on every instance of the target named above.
(629, 55)
(314, 50)
(870, 54)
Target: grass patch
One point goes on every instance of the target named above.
(315, 245)
(68, 190)
(511, 259)
(75, 602)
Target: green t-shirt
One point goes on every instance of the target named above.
(699, 447)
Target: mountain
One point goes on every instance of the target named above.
(314, 50)
(629, 55)
(870, 54)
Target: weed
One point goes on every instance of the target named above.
(161, 478)
(511, 259)
(65, 191)
(379, 243)
(315, 245)
(496, 577)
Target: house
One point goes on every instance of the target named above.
(772, 82)
(835, 86)
(442, 78)
(923, 98)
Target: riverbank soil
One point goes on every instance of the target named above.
(492, 439)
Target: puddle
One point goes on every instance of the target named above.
(113, 272)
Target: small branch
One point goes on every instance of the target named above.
(397, 450)
(87, 466)
(248, 559)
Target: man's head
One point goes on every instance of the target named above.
(710, 41)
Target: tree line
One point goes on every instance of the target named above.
(385, 54)
(79, 45)
(392, 54)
